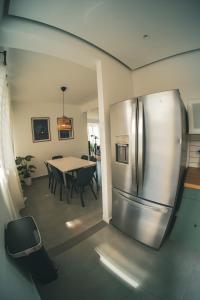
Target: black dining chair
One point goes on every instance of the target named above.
(83, 178)
(50, 174)
(57, 156)
(57, 179)
(95, 176)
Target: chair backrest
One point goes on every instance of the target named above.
(92, 158)
(57, 173)
(48, 168)
(84, 176)
(57, 156)
(84, 157)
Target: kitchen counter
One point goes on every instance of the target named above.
(192, 179)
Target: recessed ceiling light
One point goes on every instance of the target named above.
(146, 36)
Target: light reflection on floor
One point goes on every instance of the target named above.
(73, 223)
(118, 262)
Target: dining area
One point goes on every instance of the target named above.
(65, 193)
(72, 174)
(67, 201)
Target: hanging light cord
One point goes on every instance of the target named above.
(63, 89)
(63, 104)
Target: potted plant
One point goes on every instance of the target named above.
(24, 168)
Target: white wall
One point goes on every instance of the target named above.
(93, 116)
(14, 285)
(90, 105)
(22, 113)
(180, 72)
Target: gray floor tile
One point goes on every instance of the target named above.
(193, 287)
(52, 215)
(172, 273)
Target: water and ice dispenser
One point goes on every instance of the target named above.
(122, 149)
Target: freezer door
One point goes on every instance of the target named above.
(123, 145)
(145, 221)
(159, 146)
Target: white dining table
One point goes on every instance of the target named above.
(70, 163)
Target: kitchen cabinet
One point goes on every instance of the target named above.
(194, 116)
(192, 179)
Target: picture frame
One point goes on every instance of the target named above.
(66, 134)
(40, 129)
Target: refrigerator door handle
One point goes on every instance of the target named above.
(140, 144)
(134, 145)
(147, 206)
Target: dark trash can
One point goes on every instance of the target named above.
(23, 243)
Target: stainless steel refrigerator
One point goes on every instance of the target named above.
(148, 142)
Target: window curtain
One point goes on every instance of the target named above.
(9, 179)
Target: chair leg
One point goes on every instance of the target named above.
(61, 191)
(81, 196)
(49, 181)
(54, 191)
(52, 184)
(71, 192)
(96, 179)
(68, 196)
(67, 181)
(95, 196)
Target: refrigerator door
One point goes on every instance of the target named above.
(159, 146)
(123, 145)
(145, 221)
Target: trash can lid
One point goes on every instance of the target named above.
(21, 235)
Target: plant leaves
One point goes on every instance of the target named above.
(32, 167)
(23, 168)
(18, 160)
(19, 168)
(28, 157)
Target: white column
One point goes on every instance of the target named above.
(105, 146)
(114, 83)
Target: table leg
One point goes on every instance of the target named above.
(65, 184)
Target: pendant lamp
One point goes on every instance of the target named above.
(64, 122)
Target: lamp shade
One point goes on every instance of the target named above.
(64, 123)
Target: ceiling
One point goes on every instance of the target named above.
(136, 32)
(35, 77)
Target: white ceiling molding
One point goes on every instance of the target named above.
(136, 32)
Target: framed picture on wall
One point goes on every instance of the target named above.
(41, 129)
(66, 134)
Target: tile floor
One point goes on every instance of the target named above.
(57, 220)
(172, 273)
